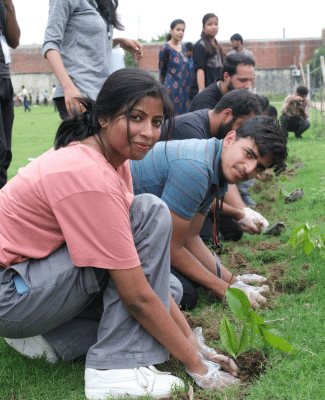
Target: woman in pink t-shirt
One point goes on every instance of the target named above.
(85, 266)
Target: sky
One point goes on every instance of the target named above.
(147, 19)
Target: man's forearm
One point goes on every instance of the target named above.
(12, 27)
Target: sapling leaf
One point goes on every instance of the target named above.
(243, 341)
(284, 179)
(238, 303)
(228, 337)
(284, 193)
(308, 246)
(275, 341)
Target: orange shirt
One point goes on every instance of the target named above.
(71, 195)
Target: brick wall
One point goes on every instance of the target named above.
(28, 60)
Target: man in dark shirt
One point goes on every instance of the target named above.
(237, 73)
(10, 35)
(233, 110)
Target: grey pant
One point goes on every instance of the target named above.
(77, 311)
(244, 187)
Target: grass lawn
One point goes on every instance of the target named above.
(296, 300)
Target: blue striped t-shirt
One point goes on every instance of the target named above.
(183, 173)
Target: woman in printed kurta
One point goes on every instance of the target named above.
(174, 68)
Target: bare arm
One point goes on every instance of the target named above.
(200, 76)
(132, 46)
(13, 30)
(197, 247)
(70, 90)
(184, 261)
(144, 305)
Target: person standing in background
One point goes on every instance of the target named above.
(208, 56)
(236, 41)
(25, 95)
(78, 45)
(45, 94)
(174, 67)
(189, 47)
(10, 35)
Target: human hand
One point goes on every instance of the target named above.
(71, 102)
(209, 354)
(214, 378)
(258, 219)
(247, 224)
(250, 278)
(132, 46)
(252, 292)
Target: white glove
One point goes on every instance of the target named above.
(213, 379)
(258, 219)
(252, 292)
(250, 278)
(209, 354)
(247, 224)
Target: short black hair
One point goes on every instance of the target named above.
(263, 100)
(302, 90)
(241, 101)
(237, 36)
(271, 111)
(189, 46)
(232, 61)
(268, 137)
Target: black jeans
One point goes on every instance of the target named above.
(6, 121)
(60, 105)
(296, 125)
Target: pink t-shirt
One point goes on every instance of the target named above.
(71, 195)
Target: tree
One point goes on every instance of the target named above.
(161, 38)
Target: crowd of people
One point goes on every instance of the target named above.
(105, 234)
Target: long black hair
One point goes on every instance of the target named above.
(211, 49)
(120, 93)
(108, 10)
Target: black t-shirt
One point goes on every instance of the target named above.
(208, 98)
(211, 65)
(194, 125)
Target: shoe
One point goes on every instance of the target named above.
(275, 229)
(294, 196)
(34, 346)
(134, 383)
(247, 199)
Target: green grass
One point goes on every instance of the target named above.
(297, 308)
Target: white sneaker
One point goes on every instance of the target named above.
(129, 382)
(34, 346)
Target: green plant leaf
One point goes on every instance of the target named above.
(228, 337)
(238, 303)
(308, 246)
(284, 179)
(243, 341)
(275, 341)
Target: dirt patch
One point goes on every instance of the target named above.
(292, 286)
(237, 260)
(289, 172)
(265, 245)
(262, 207)
(209, 320)
(294, 160)
(251, 364)
(267, 175)
(257, 187)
